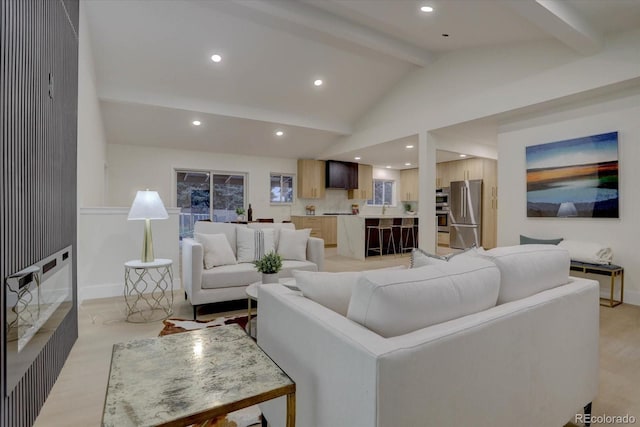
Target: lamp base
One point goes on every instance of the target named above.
(147, 243)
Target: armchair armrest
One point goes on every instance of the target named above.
(315, 251)
(192, 266)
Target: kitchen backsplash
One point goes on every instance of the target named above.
(336, 201)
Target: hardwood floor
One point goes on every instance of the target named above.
(77, 397)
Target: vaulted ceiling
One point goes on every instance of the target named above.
(155, 75)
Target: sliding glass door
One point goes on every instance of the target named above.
(208, 196)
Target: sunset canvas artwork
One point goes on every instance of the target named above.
(574, 178)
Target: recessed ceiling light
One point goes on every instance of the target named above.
(216, 58)
(388, 167)
(445, 35)
(318, 82)
(463, 155)
(426, 9)
(279, 133)
(409, 146)
(196, 123)
(407, 164)
(356, 158)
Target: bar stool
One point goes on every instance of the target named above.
(384, 224)
(409, 225)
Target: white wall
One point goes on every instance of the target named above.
(109, 240)
(133, 168)
(615, 113)
(91, 137)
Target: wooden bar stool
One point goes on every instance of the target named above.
(384, 224)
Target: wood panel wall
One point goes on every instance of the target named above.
(38, 129)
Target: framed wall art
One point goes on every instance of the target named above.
(574, 178)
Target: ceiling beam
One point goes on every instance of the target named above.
(336, 27)
(227, 110)
(560, 20)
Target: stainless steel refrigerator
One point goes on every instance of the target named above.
(465, 215)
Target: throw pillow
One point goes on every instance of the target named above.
(217, 250)
(332, 290)
(524, 240)
(252, 244)
(293, 244)
(420, 258)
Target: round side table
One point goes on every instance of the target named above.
(148, 290)
(252, 295)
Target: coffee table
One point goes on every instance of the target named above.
(191, 377)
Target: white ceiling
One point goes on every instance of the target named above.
(154, 75)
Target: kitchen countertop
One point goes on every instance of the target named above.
(361, 215)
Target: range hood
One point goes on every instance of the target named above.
(342, 175)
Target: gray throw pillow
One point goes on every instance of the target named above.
(524, 240)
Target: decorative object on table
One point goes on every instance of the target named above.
(355, 209)
(250, 213)
(240, 213)
(269, 265)
(175, 325)
(574, 178)
(147, 206)
(408, 209)
(310, 209)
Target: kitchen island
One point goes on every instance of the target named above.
(352, 234)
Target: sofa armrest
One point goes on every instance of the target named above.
(192, 266)
(315, 252)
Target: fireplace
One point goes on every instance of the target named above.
(37, 300)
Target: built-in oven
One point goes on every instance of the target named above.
(442, 198)
(442, 215)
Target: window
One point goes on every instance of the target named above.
(281, 188)
(382, 192)
(203, 195)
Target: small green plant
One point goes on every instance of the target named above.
(270, 263)
(239, 211)
(407, 207)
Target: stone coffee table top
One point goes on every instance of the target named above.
(189, 377)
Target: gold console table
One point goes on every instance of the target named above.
(610, 270)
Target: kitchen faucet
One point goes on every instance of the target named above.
(384, 208)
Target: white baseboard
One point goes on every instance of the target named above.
(630, 297)
(109, 290)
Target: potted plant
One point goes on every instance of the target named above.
(269, 265)
(240, 213)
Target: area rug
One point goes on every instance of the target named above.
(247, 417)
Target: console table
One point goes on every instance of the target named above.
(190, 378)
(610, 270)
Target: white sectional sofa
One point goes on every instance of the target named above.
(528, 359)
(228, 282)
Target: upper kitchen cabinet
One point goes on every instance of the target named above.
(365, 184)
(459, 170)
(408, 184)
(311, 179)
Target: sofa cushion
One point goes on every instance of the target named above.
(229, 230)
(528, 269)
(332, 290)
(293, 244)
(216, 248)
(251, 245)
(393, 303)
(227, 276)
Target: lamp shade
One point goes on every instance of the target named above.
(147, 205)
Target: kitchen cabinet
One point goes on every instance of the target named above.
(443, 239)
(365, 184)
(324, 227)
(311, 179)
(459, 170)
(409, 185)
